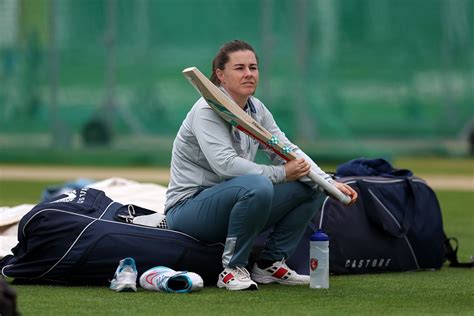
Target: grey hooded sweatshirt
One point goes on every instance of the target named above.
(207, 150)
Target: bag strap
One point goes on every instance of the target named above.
(451, 253)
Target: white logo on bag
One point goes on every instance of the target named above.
(368, 263)
(82, 195)
(70, 195)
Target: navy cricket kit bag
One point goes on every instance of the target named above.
(79, 238)
(394, 226)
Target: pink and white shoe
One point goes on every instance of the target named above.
(164, 279)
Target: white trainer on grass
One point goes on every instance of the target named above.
(236, 279)
(164, 279)
(125, 278)
(278, 272)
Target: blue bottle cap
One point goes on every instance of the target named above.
(319, 235)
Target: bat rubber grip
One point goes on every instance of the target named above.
(329, 188)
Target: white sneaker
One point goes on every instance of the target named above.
(164, 279)
(125, 278)
(278, 272)
(235, 279)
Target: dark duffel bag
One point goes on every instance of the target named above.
(80, 237)
(395, 225)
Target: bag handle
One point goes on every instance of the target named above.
(378, 213)
(451, 254)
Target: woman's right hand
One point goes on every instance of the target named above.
(296, 169)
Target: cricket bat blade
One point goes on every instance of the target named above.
(226, 108)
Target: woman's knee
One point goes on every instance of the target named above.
(259, 185)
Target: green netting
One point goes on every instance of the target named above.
(356, 75)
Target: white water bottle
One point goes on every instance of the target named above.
(319, 260)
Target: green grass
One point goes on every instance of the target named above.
(14, 192)
(437, 165)
(443, 292)
(458, 220)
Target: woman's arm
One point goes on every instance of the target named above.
(269, 123)
(214, 138)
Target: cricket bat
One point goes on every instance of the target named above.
(226, 108)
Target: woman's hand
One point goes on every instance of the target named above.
(347, 190)
(296, 169)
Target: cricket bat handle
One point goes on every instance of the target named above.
(231, 112)
(329, 188)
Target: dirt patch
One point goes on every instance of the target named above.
(446, 182)
(161, 175)
(49, 173)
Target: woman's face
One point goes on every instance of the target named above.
(240, 75)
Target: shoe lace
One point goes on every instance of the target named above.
(161, 281)
(241, 273)
(282, 264)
